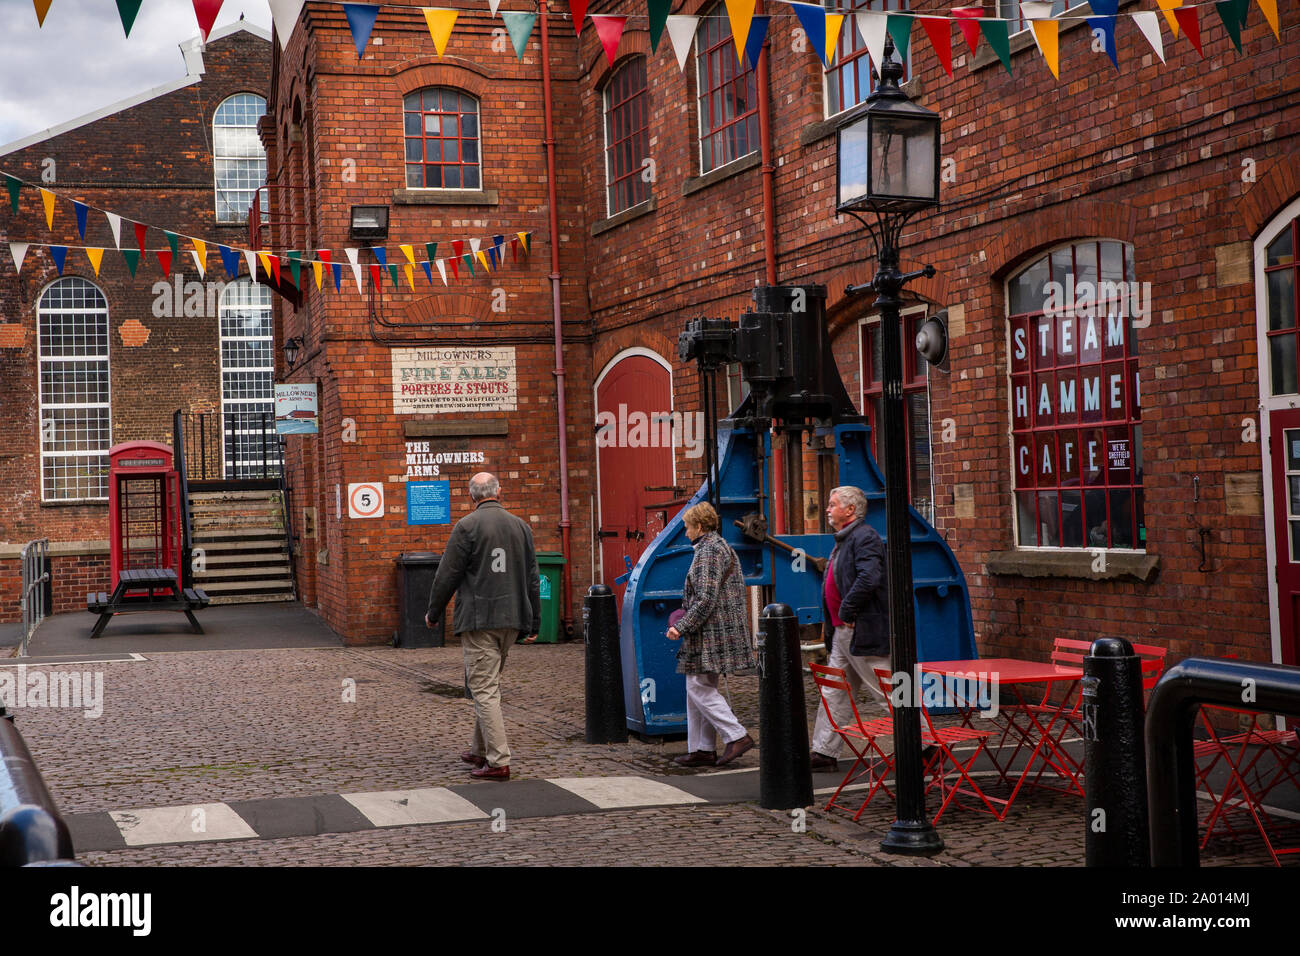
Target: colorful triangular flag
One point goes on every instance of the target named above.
(96, 256)
(579, 10)
(251, 258)
(140, 230)
(1188, 20)
(81, 210)
(966, 17)
(172, 240)
(19, 251)
(1233, 14)
(939, 30)
(115, 226)
(229, 259)
(295, 266)
(361, 20)
(200, 263)
(440, 22)
(355, 266)
(995, 31)
(1149, 24)
(520, 28)
(1168, 6)
(409, 252)
(205, 11)
(681, 30)
(392, 271)
(1269, 8)
(318, 269)
(900, 29)
(428, 273)
(164, 261)
(526, 240)
(380, 254)
(740, 13)
(132, 258)
(376, 274)
(754, 42)
(813, 20)
(13, 186)
(47, 200)
(610, 31)
(1044, 29)
(59, 254)
(1105, 23)
(42, 8)
(127, 10)
(872, 28)
(442, 271)
(284, 17)
(337, 269)
(659, 10)
(432, 249)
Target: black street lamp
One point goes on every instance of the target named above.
(888, 164)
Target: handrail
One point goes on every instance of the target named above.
(187, 545)
(35, 559)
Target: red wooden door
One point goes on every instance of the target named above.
(634, 453)
(1284, 429)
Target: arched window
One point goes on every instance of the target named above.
(1076, 414)
(442, 140)
(850, 81)
(247, 371)
(627, 136)
(75, 435)
(728, 95)
(1280, 274)
(238, 160)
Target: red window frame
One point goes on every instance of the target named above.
(1282, 301)
(728, 95)
(1076, 416)
(916, 385)
(441, 153)
(850, 81)
(627, 136)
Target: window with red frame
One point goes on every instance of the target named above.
(850, 81)
(1076, 414)
(916, 406)
(1280, 279)
(627, 136)
(442, 139)
(728, 97)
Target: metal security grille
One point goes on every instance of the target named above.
(441, 128)
(238, 159)
(1075, 413)
(74, 391)
(728, 95)
(247, 372)
(627, 136)
(850, 81)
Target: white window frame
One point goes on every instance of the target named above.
(236, 405)
(604, 123)
(216, 157)
(714, 11)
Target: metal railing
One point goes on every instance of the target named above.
(36, 575)
(187, 544)
(230, 445)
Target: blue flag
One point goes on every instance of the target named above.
(81, 209)
(1105, 22)
(229, 259)
(754, 42)
(59, 254)
(361, 20)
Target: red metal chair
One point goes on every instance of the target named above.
(942, 739)
(860, 737)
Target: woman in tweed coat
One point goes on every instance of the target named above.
(715, 630)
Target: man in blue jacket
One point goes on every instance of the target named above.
(491, 567)
(856, 615)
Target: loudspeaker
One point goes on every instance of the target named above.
(932, 341)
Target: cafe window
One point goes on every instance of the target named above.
(1075, 390)
(916, 405)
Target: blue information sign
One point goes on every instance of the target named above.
(428, 502)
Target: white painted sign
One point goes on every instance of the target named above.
(440, 380)
(366, 500)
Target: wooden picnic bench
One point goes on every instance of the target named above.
(162, 592)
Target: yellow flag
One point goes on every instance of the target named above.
(96, 256)
(266, 263)
(410, 275)
(1270, 14)
(1047, 38)
(481, 256)
(201, 248)
(834, 22)
(47, 198)
(1169, 6)
(523, 239)
(440, 23)
(409, 253)
(741, 15)
(317, 268)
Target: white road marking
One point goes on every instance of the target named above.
(196, 822)
(395, 808)
(613, 792)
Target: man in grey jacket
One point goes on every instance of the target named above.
(491, 568)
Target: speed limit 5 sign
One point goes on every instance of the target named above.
(366, 500)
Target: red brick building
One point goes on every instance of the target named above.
(92, 358)
(1094, 475)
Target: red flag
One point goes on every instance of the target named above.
(579, 10)
(205, 11)
(514, 250)
(455, 272)
(940, 34)
(458, 247)
(375, 275)
(970, 30)
(1191, 26)
(275, 268)
(140, 230)
(610, 31)
(165, 260)
(323, 255)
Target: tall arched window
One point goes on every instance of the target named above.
(728, 95)
(442, 140)
(627, 136)
(238, 160)
(75, 435)
(1076, 414)
(247, 371)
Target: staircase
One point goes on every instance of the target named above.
(240, 546)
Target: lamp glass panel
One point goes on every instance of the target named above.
(853, 163)
(902, 158)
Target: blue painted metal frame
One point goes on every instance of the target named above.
(654, 693)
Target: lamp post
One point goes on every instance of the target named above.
(888, 164)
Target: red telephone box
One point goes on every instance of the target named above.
(144, 516)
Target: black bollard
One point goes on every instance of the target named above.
(1114, 756)
(784, 768)
(606, 717)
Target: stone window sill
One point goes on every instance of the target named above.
(627, 215)
(1129, 565)
(445, 197)
(733, 168)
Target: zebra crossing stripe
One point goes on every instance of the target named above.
(395, 808)
(188, 824)
(610, 793)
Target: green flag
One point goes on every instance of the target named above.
(995, 31)
(132, 257)
(520, 28)
(658, 17)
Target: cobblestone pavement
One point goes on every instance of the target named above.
(209, 726)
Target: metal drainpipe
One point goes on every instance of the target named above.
(779, 457)
(567, 586)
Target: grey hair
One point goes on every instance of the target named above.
(489, 488)
(852, 496)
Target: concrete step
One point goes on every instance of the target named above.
(228, 587)
(280, 570)
(237, 557)
(223, 496)
(249, 598)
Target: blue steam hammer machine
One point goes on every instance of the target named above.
(796, 396)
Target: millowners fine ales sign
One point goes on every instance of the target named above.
(438, 380)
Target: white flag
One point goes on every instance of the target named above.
(251, 256)
(872, 27)
(1149, 24)
(115, 223)
(19, 251)
(199, 263)
(284, 14)
(474, 244)
(682, 32)
(493, 4)
(442, 271)
(356, 267)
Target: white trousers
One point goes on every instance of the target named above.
(859, 672)
(707, 711)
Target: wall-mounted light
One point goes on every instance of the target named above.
(369, 222)
(291, 348)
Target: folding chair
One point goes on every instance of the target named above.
(942, 740)
(860, 737)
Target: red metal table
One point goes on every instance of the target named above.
(1039, 724)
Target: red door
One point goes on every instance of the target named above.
(1284, 431)
(634, 453)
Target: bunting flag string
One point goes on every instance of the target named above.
(205, 12)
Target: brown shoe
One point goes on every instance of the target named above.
(472, 758)
(491, 773)
(823, 762)
(697, 758)
(735, 749)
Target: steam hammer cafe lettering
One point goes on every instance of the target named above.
(441, 380)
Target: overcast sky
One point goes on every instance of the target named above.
(79, 61)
